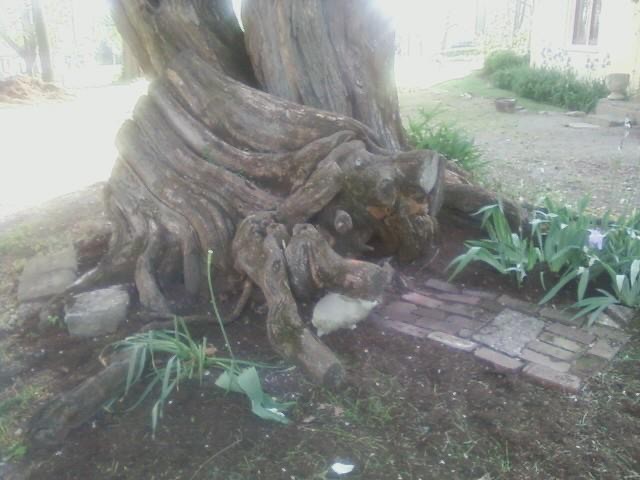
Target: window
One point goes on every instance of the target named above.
(586, 23)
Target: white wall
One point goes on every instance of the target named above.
(617, 49)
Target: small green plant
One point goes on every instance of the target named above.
(626, 289)
(505, 250)
(173, 356)
(502, 60)
(446, 139)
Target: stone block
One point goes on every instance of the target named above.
(452, 341)
(499, 361)
(97, 313)
(509, 332)
(572, 333)
(62, 260)
(540, 359)
(47, 275)
(32, 288)
(552, 378)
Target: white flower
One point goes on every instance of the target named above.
(596, 238)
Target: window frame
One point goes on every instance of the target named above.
(590, 47)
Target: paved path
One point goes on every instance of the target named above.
(510, 335)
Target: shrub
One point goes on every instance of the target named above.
(502, 60)
(446, 139)
(556, 87)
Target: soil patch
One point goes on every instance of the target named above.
(25, 89)
(411, 409)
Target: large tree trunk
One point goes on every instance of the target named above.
(282, 152)
(285, 157)
(42, 37)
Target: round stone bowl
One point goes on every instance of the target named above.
(506, 105)
(617, 84)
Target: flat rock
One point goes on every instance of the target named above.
(98, 313)
(582, 125)
(45, 286)
(510, 332)
(47, 275)
(27, 311)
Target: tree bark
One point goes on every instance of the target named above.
(42, 37)
(130, 67)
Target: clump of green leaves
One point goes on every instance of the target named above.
(446, 139)
(561, 88)
(502, 60)
(506, 251)
(167, 358)
(574, 245)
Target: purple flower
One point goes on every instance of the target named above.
(596, 238)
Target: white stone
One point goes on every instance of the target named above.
(97, 313)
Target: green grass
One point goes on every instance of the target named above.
(13, 409)
(479, 86)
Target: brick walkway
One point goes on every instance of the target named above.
(510, 335)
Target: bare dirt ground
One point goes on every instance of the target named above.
(411, 410)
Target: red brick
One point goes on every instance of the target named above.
(610, 333)
(516, 304)
(561, 342)
(430, 313)
(407, 329)
(451, 324)
(552, 378)
(399, 308)
(544, 360)
(421, 300)
(441, 286)
(467, 299)
(559, 316)
(452, 341)
(605, 348)
(572, 333)
(480, 293)
(550, 350)
(499, 361)
(588, 365)
(460, 309)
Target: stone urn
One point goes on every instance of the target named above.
(505, 105)
(617, 84)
